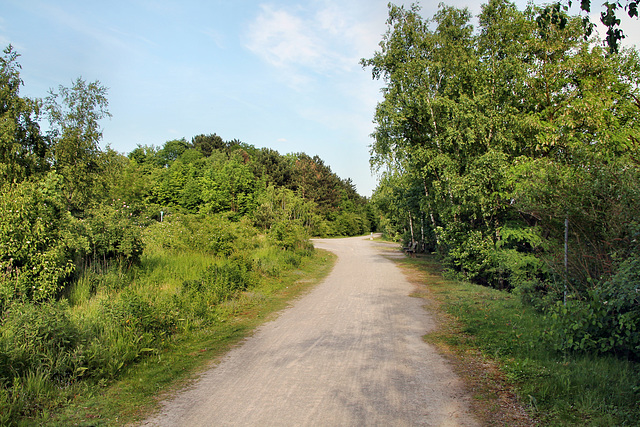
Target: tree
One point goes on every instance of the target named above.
(273, 168)
(23, 149)
(144, 155)
(315, 181)
(609, 19)
(171, 151)
(74, 114)
(35, 238)
(208, 143)
(460, 108)
(228, 185)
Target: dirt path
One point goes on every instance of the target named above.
(349, 353)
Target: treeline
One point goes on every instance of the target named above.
(209, 175)
(105, 258)
(511, 150)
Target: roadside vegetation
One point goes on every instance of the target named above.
(108, 261)
(510, 151)
(499, 345)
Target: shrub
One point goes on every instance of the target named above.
(470, 253)
(131, 311)
(220, 282)
(113, 234)
(214, 234)
(122, 330)
(607, 320)
(34, 246)
(290, 235)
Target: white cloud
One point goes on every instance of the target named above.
(323, 39)
(284, 39)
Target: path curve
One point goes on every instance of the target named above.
(349, 353)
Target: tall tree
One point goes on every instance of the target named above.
(74, 114)
(23, 149)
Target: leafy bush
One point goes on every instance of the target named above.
(290, 235)
(515, 261)
(133, 312)
(349, 224)
(220, 282)
(470, 252)
(113, 234)
(215, 235)
(34, 245)
(266, 261)
(40, 240)
(607, 320)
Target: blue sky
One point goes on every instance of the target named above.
(279, 74)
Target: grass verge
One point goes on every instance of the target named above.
(139, 390)
(496, 344)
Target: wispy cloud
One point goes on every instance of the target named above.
(305, 42)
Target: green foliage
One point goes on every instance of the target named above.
(608, 18)
(171, 151)
(600, 201)
(207, 144)
(607, 320)
(313, 180)
(23, 150)
(113, 234)
(229, 186)
(556, 388)
(291, 236)
(275, 169)
(216, 235)
(144, 155)
(281, 205)
(74, 114)
(132, 312)
(35, 257)
(491, 139)
(220, 282)
(37, 339)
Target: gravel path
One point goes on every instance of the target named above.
(349, 353)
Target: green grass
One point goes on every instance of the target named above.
(494, 326)
(154, 356)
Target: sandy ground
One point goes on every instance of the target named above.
(349, 353)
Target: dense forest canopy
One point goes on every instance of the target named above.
(511, 150)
